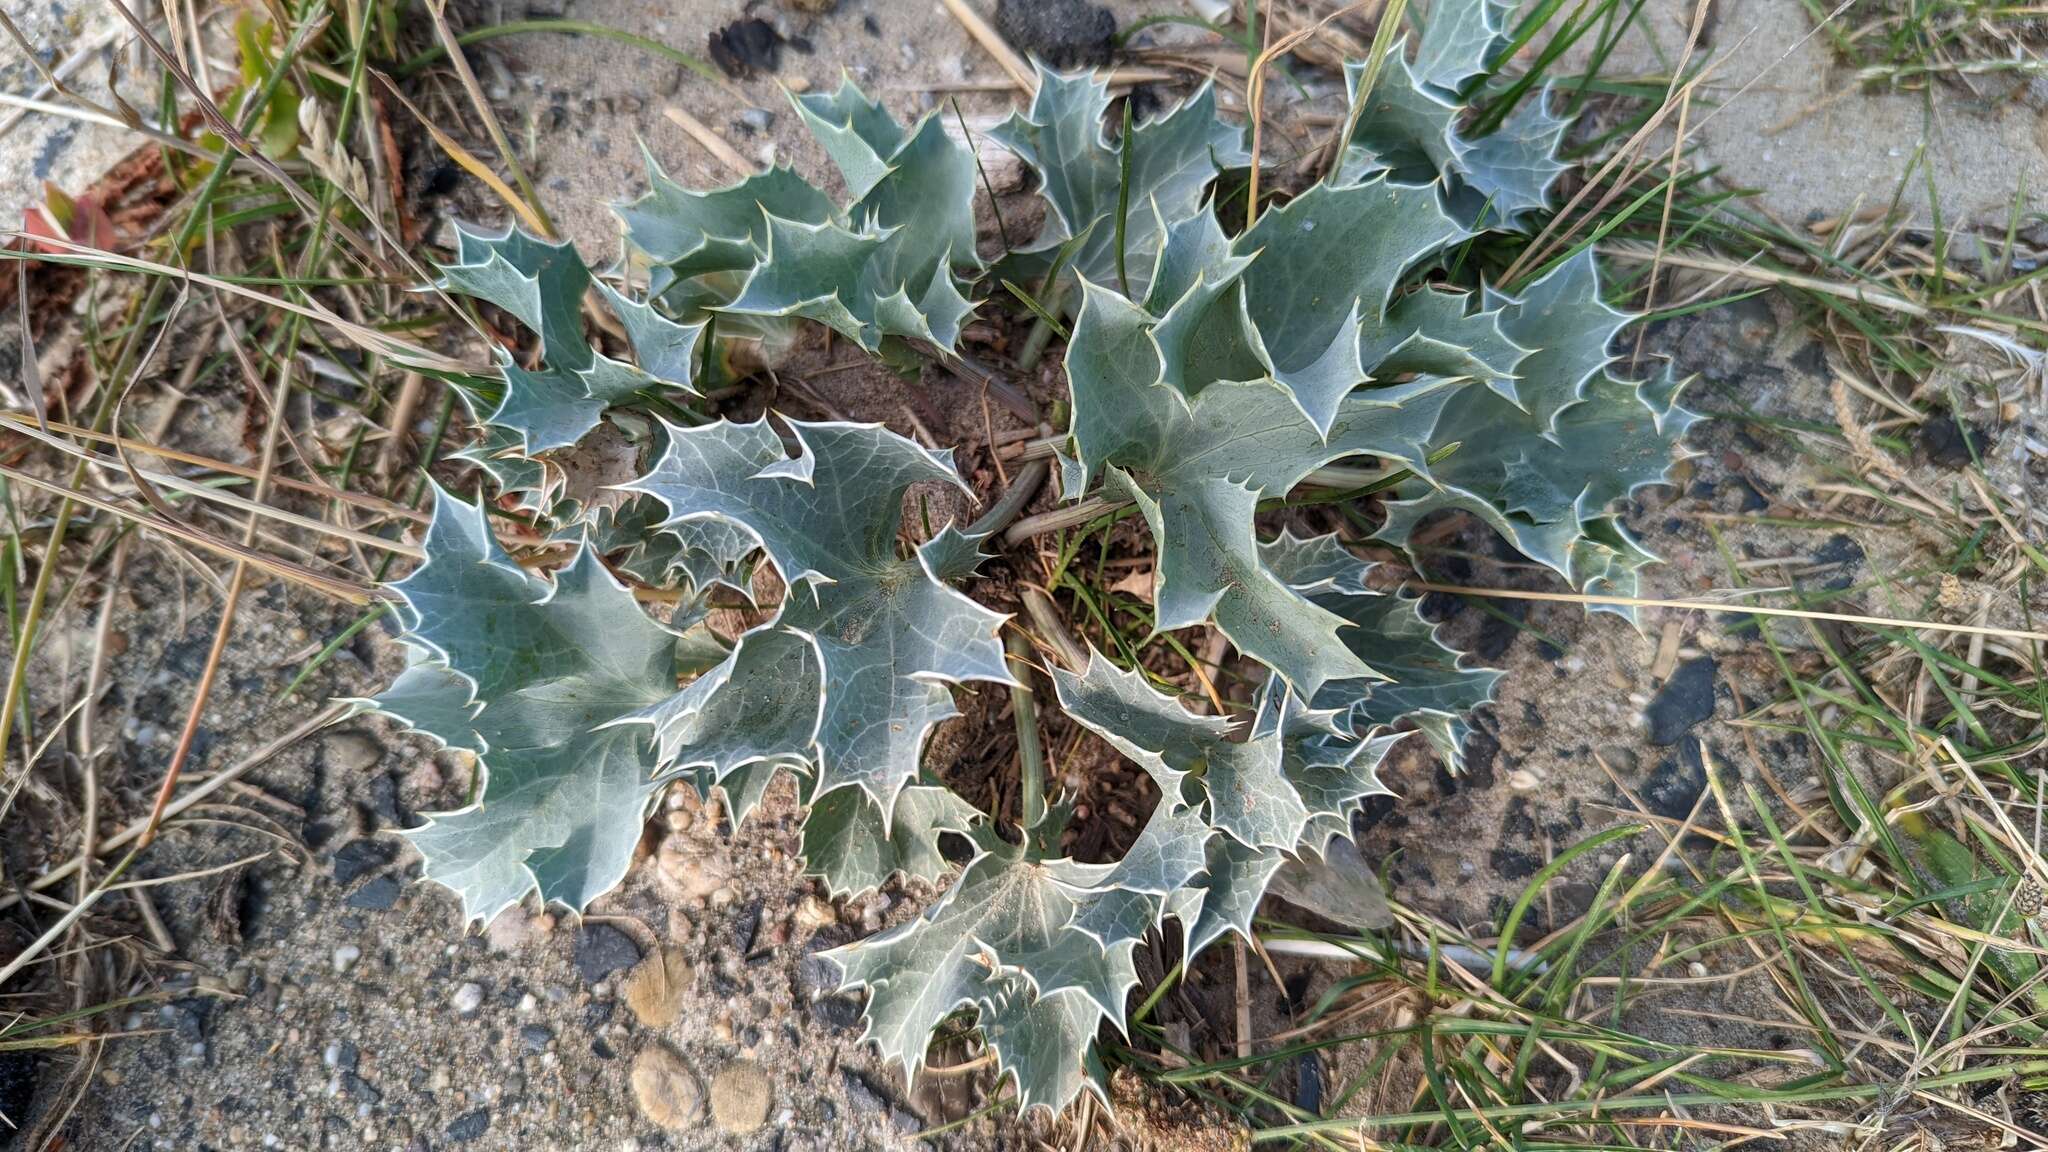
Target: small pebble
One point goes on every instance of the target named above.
(740, 1097)
(468, 999)
(813, 914)
(654, 990)
(665, 1091)
(345, 957)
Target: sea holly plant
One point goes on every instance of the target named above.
(1211, 367)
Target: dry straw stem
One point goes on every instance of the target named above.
(1255, 93)
(711, 142)
(344, 590)
(222, 496)
(184, 803)
(1731, 609)
(217, 121)
(1747, 270)
(367, 338)
(530, 198)
(1539, 249)
(376, 505)
(529, 213)
(1005, 56)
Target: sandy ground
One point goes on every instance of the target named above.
(66, 151)
(1781, 114)
(325, 1000)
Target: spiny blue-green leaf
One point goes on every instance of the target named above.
(1227, 896)
(1459, 41)
(1567, 329)
(686, 234)
(864, 285)
(883, 266)
(527, 481)
(1544, 475)
(1173, 159)
(1507, 173)
(849, 845)
(538, 281)
(1040, 948)
(1129, 897)
(662, 349)
(1325, 264)
(773, 248)
(917, 178)
(1261, 790)
(761, 704)
(1001, 940)
(888, 635)
(633, 539)
(1046, 1042)
(1425, 684)
(1198, 467)
(547, 669)
(543, 283)
(1410, 128)
(1432, 332)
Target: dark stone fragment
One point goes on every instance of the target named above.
(378, 895)
(1811, 360)
(361, 1089)
(441, 180)
(358, 858)
(1514, 864)
(1498, 633)
(1752, 500)
(1063, 33)
(602, 950)
(18, 1075)
(469, 1127)
(602, 1050)
(189, 1019)
(535, 1037)
(746, 926)
(1845, 554)
(1675, 785)
(745, 47)
(839, 1013)
(1308, 1083)
(1480, 751)
(347, 1056)
(866, 1097)
(598, 1013)
(1517, 823)
(1685, 700)
(384, 802)
(814, 973)
(1948, 441)
(1376, 809)
(870, 25)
